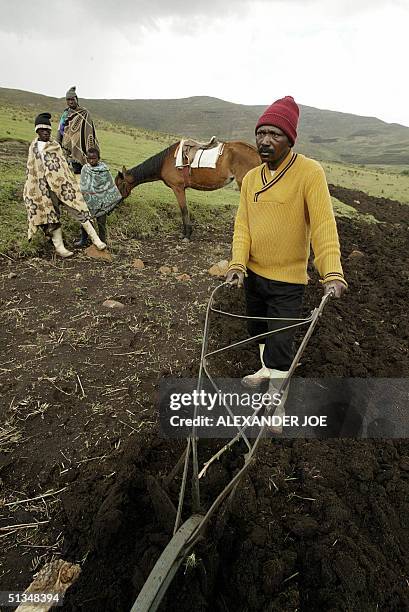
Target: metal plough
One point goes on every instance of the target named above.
(185, 536)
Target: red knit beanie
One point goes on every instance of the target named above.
(283, 114)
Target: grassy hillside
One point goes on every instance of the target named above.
(325, 135)
(383, 182)
(151, 207)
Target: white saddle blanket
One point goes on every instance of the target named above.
(207, 158)
(204, 158)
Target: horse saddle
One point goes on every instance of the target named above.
(188, 148)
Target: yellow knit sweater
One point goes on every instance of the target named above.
(280, 216)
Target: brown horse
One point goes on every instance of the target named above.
(236, 160)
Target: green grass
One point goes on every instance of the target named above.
(382, 182)
(151, 208)
(13, 217)
(349, 212)
(120, 145)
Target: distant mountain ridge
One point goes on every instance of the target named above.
(323, 134)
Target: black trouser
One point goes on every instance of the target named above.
(269, 298)
(75, 166)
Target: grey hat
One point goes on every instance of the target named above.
(71, 93)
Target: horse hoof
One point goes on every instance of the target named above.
(185, 239)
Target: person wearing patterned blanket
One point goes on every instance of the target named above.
(99, 192)
(49, 187)
(76, 132)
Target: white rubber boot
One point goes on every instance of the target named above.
(279, 410)
(255, 380)
(58, 243)
(89, 228)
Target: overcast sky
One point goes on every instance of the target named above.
(343, 55)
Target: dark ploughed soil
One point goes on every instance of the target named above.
(316, 525)
(382, 209)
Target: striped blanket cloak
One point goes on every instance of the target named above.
(50, 182)
(78, 134)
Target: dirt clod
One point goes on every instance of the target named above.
(113, 304)
(95, 253)
(138, 264)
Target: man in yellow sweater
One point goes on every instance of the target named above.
(285, 207)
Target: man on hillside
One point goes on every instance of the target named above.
(76, 134)
(284, 207)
